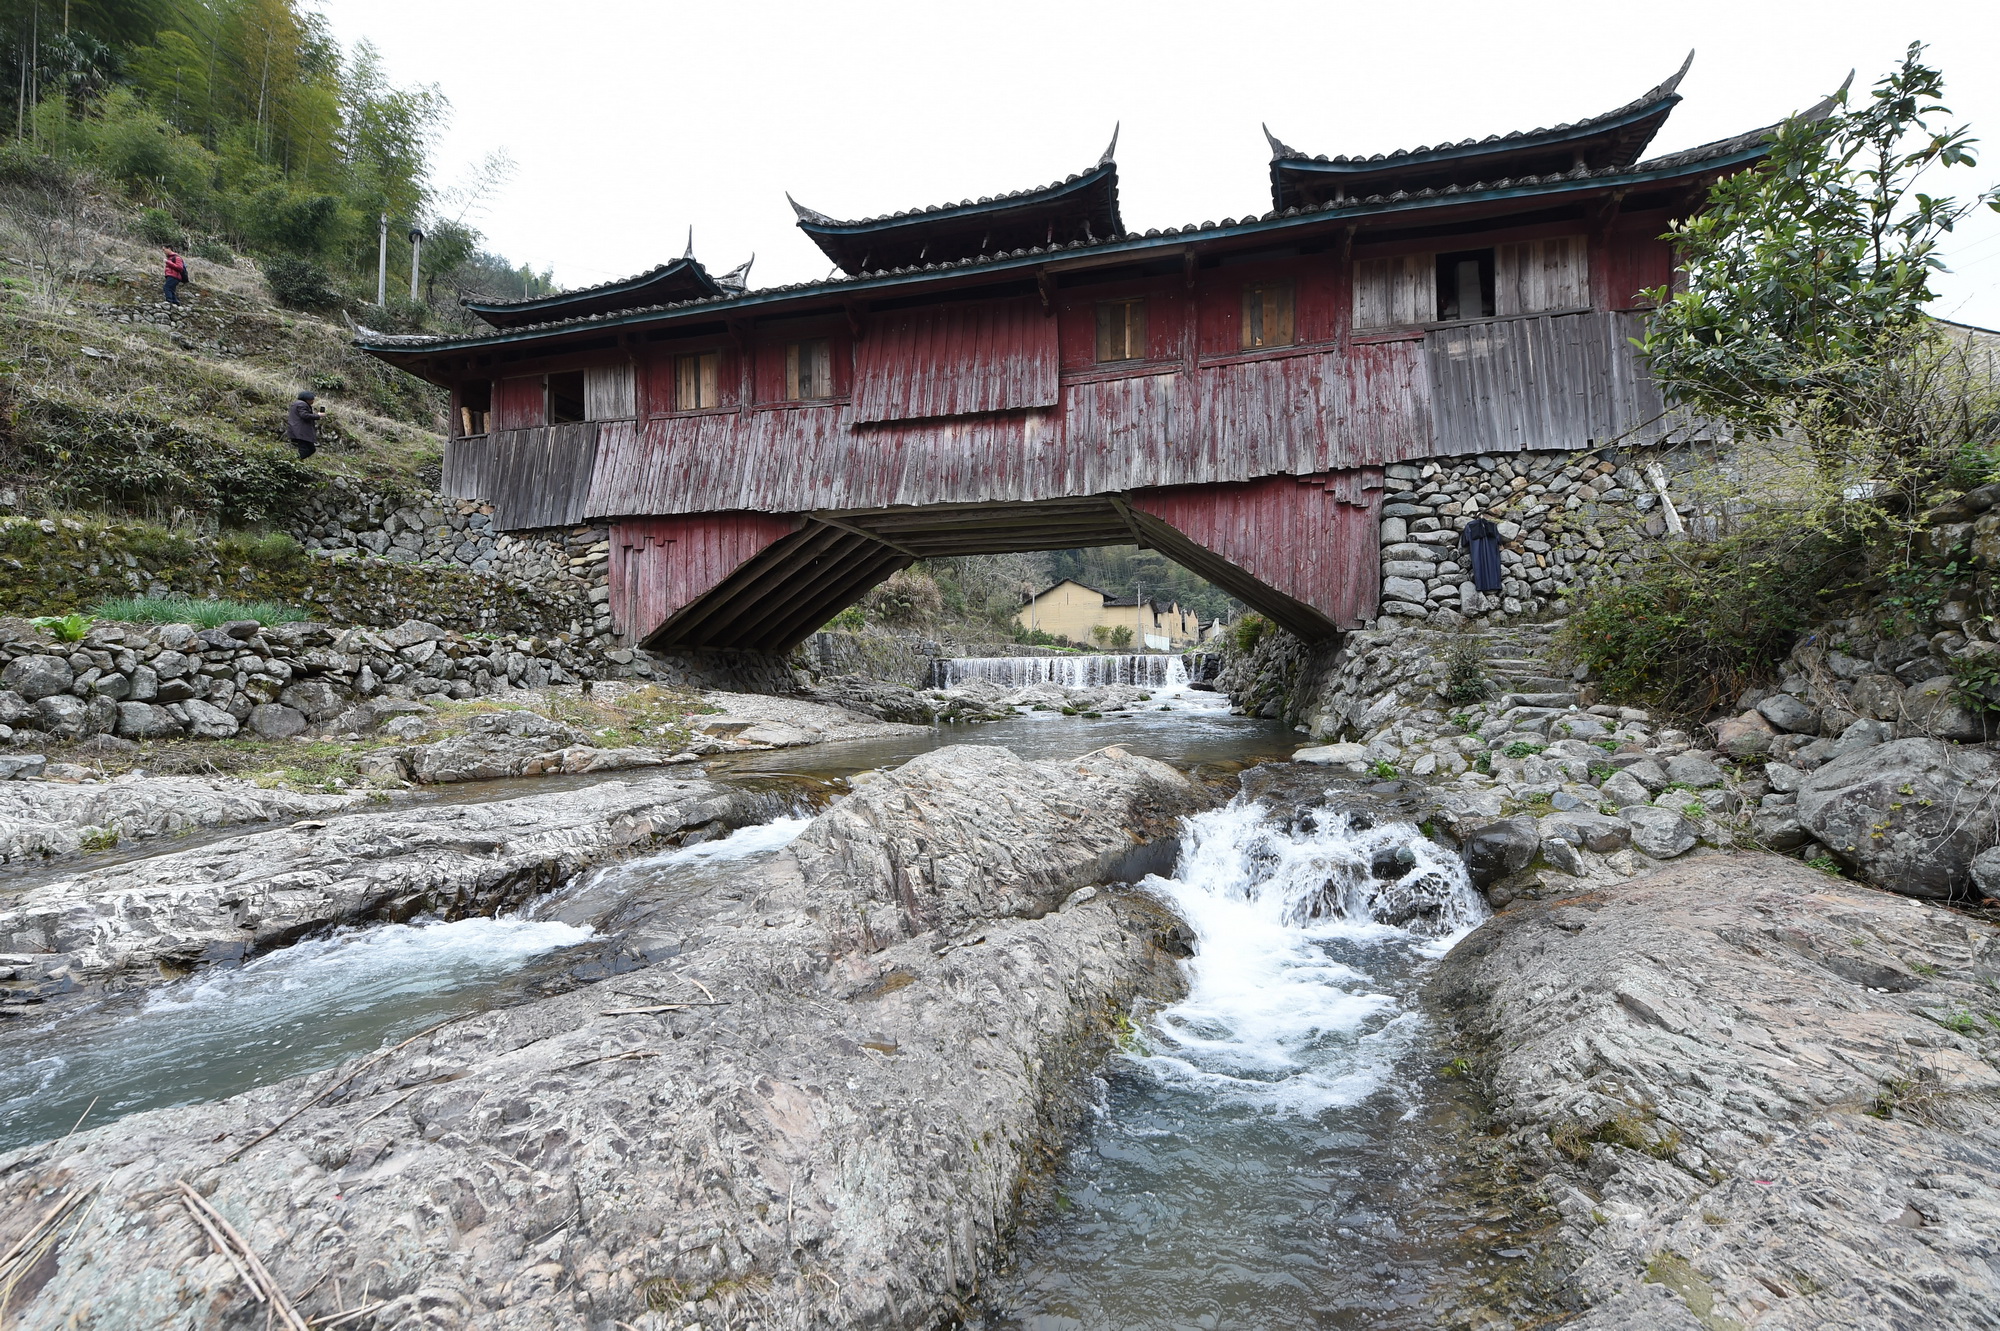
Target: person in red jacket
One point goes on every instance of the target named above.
(177, 273)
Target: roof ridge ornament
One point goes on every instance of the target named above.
(1111, 151)
(737, 278)
(808, 214)
(1280, 150)
(1824, 107)
(688, 253)
(1667, 88)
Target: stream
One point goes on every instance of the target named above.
(1256, 1160)
(1273, 1151)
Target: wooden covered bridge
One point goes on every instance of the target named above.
(1021, 372)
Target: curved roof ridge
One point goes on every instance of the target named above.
(1663, 91)
(813, 217)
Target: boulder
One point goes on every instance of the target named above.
(1623, 789)
(1934, 707)
(1595, 832)
(1744, 736)
(1783, 777)
(1878, 696)
(62, 716)
(1495, 850)
(21, 766)
(274, 720)
(1780, 829)
(314, 697)
(1910, 815)
(241, 629)
(142, 720)
(37, 677)
(1862, 734)
(207, 721)
(1648, 773)
(1789, 714)
(1348, 759)
(1691, 769)
(1985, 869)
(877, 698)
(15, 709)
(1660, 833)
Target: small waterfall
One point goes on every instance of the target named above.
(1244, 1169)
(1070, 672)
(1270, 1013)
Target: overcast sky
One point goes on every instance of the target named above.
(633, 119)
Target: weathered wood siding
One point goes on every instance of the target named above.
(1315, 539)
(1537, 275)
(659, 565)
(534, 478)
(519, 403)
(956, 360)
(1550, 381)
(1394, 292)
(608, 393)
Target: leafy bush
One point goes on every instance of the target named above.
(1693, 627)
(1249, 631)
(213, 251)
(906, 598)
(1464, 672)
(300, 283)
(158, 227)
(63, 628)
(850, 620)
(205, 614)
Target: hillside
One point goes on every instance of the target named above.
(122, 405)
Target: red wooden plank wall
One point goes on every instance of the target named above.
(956, 360)
(1314, 538)
(518, 404)
(659, 565)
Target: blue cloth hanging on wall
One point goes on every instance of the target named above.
(1482, 539)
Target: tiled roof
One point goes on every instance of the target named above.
(813, 217)
(1720, 149)
(1282, 153)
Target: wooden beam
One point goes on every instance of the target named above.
(767, 570)
(756, 613)
(853, 530)
(802, 625)
(1125, 515)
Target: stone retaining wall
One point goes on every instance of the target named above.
(172, 680)
(1565, 519)
(567, 567)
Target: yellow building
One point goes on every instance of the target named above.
(1071, 610)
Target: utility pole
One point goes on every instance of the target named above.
(382, 265)
(416, 258)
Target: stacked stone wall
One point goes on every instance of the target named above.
(1566, 519)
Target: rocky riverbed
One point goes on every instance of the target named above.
(1756, 1095)
(819, 1111)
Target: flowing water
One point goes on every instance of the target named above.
(1257, 1158)
(297, 1010)
(1181, 724)
(1069, 672)
(313, 1004)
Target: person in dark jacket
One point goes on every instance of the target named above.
(177, 273)
(302, 425)
(1481, 540)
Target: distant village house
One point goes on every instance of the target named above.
(1069, 609)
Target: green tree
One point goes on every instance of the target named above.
(1802, 313)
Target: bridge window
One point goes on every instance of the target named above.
(1121, 330)
(475, 406)
(566, 397)
(697, 381)
(1267, 314)
(1465, 285)
(808, 371)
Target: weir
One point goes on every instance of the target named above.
(1152, 671)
